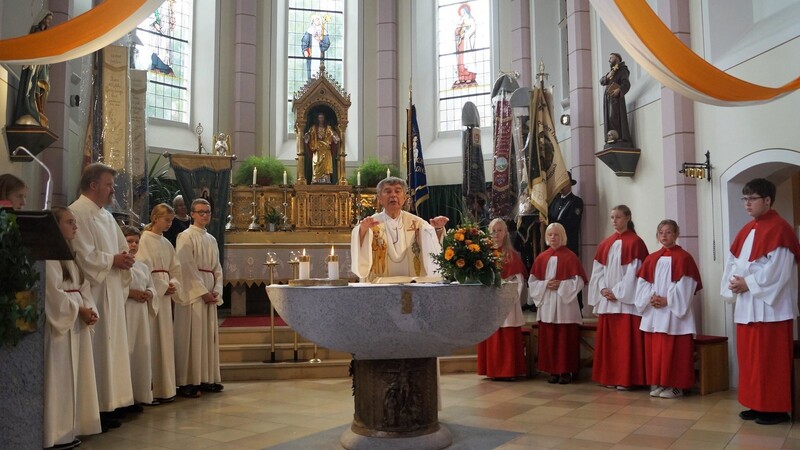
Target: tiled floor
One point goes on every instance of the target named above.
(255, 415)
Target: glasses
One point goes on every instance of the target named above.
(206, 212)
(751, 199)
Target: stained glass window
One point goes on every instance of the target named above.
(166, 55)
(315, 34)
(465, 61)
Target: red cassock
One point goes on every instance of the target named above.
(765, 349)
(501, 355)
(669, 358)
(619, 344)
(559, 343)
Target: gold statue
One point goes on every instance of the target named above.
(322, 141)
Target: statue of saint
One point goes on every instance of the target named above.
(321, 141)
(615, 113)
(34, 84)
(223, 145)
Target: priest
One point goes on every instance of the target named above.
(761, 277)
(102, 255)
(395, 242)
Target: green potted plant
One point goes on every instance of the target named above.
(273, 218)
(372, 171)
(19, 311)
(269, 171)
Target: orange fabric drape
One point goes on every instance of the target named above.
(90, 31)
(656, 48)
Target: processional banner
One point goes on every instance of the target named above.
(417, 180)
(547, 174)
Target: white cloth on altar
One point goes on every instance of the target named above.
(70, 390)
(771, 282)
(196, 328)
(677, 318)
(137, 321)
(621, 280)
(96, 242)
(556, 306)
(159, 254)
(399, 236)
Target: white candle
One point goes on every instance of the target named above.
(255, 174)
(305, 266)
(333, 266)
(284, 177)
(358, 178)
(388, 173)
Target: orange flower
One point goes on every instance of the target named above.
(468, 241)
(458, 236)
(449, 253)
(460, 263)
(479, 264)
(474, 248)
(496, 253)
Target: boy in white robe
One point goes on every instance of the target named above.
(102, 255)
(157, 251)
(196, 328)
(70, 391)
(138, 311)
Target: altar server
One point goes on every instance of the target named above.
(102, 254)
(138, 311)
(70, 391)
(196, 328)
(667, 282)
(556, 278)
(159, 254)
(619, 349)
(394, 242)
(501, 355)
(761, 277)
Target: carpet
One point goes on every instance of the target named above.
(250, 321)
(464, 438)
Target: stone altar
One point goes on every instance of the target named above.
(395, 332)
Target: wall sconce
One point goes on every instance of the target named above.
(698, 170)
(565, 119)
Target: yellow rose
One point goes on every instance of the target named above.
(479, 264)
(474, 248)
(460, 263)
(458, 236)
(449, 253)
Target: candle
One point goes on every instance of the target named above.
(358, 178)
(388, 173)
(284, 177)
(305, 266)
(255, 174)
(333, 266)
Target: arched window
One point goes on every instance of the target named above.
(165, 53)
(464, 60)
(315, 35)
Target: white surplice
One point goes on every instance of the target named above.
(561, 305)
(159, 254)
(621, 280)
(96, 242)
(70, 390)
(771, 282)
(137, 320)
(398, 235)
(677, 318)
(196, 329)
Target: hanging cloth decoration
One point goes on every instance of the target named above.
(654, 46)
(97, 28)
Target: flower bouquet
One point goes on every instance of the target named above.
(468, 255)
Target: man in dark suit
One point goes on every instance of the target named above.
(567, 209)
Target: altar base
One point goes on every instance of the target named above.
(395, 406)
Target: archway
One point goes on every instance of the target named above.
(782, 167)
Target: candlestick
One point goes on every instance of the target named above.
(255, 174)
(358, 178)
(388, 174)
(305, 266)
(284, 177)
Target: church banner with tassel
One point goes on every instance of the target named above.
(547, 173)
(208, 177)
(417, 180)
